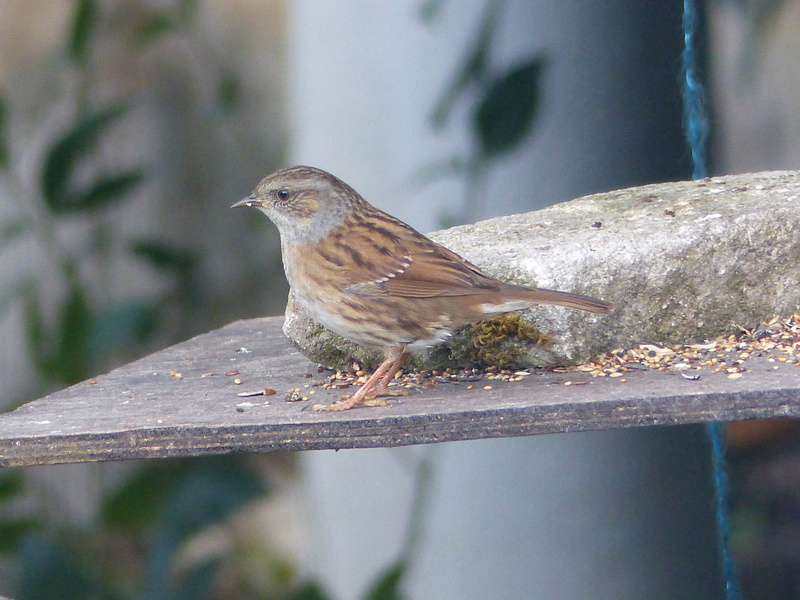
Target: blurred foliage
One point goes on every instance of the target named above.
(63, 162)
(503, 107)
(74, 329)
(387, 585)
(136, 547)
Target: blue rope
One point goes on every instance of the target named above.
(694, 110)
(733, 590)
(697, 126)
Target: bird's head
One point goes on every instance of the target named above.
(303, 202)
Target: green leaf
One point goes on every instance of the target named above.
(309, 591)
(387, 586)
(123, 326)
(34, 329)
(67, 360)
(209, 491)
(106, 190)
(82, 25)
(5, 154)
(13, 531)
(199, 493)
(76, 321)
(64, 156)
(203, 494)
(11, 484)
(50, 568)
(197, 581)
(505, 115)
(164, 256)
(137, 503)
(473, 69)
(154, 26)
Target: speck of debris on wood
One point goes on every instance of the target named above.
(295, 395)
(263, 392)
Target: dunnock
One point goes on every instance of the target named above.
(375, 280)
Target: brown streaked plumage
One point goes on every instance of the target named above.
(375, 280)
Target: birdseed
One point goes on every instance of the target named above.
(777, 340)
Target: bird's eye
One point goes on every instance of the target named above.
(283, 195)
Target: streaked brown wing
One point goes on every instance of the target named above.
(432, 271)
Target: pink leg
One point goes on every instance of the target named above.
(383, 385)
(376, 385)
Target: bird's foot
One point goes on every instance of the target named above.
(374, 397)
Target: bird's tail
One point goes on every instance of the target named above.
(576, 301)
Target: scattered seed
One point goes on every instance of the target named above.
(636, 366)
(294, 395)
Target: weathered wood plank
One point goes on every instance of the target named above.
(141, 410)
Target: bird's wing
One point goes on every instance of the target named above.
(431, 271)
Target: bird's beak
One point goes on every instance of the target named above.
(251, 200)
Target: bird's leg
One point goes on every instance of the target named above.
(382, 387)
(376, 385)
(364, 392)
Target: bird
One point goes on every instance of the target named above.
(377, 281)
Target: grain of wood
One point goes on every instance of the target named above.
(145, 410)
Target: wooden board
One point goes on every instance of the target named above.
(145, 410)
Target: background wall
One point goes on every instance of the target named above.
(546, 517)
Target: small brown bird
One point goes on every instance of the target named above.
(375, 280)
